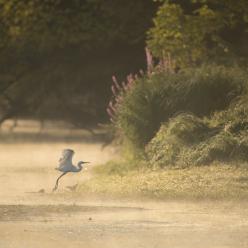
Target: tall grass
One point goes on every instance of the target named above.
(187, 140)
(157, 97)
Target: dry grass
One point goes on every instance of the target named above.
(217, 181)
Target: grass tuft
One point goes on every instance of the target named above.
(218, 181)
(187, 140)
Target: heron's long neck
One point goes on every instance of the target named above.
(79, 165)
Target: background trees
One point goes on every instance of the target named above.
(90, 23)
(198, 31)
(63, 54)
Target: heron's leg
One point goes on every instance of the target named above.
(57, 181)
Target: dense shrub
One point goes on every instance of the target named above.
(224, 147)
(144, 107)
(188, 29)
(180, 131)
(155, 98)
(188, 140)
(235, 118)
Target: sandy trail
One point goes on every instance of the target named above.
(105, 224)
(67, 219)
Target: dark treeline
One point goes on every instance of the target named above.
(57, 57)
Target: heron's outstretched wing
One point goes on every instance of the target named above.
(66, 159)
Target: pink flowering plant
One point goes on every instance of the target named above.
(132, 107)
(119, 90)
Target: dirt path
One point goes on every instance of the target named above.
(104, 224)
(67, 219)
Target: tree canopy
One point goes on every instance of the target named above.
(58, 23)
(200, 30)
(57, 56)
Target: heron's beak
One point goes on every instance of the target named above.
(86, 162)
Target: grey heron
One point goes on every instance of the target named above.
(66, 166)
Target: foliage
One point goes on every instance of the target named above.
(235, 118)
(140, 111)
(120, 90)
(196, 31)
(56, 56)
(220, 181)
(187, 140)
(224, 146)
(182, 130)
(224, 138)
(155, 98)
(91, 23)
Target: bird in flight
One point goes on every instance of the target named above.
(66, 166)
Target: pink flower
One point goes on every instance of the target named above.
(110, 112)
(149, 61)
(112, 107)
(116, 83)
(114, 90)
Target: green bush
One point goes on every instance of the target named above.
(180, 131)
(187, 30)
(188, 140)
(220, 147)
(154, 99)
(235, 118)
(145, 107)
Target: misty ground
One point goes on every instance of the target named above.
(32, 216)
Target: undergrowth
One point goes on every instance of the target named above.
(187, 140)
(219, 181)
(192, 117)
(154, 99)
